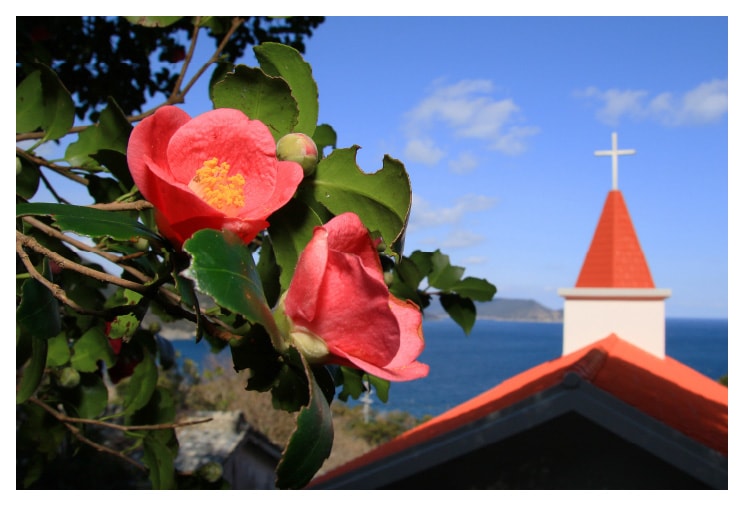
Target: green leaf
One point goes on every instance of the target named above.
(267, 99)
(350, 380)
(382, 200)
(255, 352)
(89, 349)
(141, 384)
(89, 221)
(324, 136)
(159, 458)
(123, 326)
(42, 101)
(116, 163)
(284, 61)
(38, 312)
(269, 271)
(34, 371)
(291, 228)
(310, 444)
(89, 399)
(460, 309)
(475, 288)
(381, 386)
(223, 268)
(27, 178)
(160, 408)
(58, 353)
(110, 133)
(153, 21)
(443, 275)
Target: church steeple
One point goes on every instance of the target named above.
(615, 258)
(614, 293)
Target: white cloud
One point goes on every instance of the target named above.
(424, 151)
(424, 215)
(467, 110)
(475, 260)
(463, 164)
(706, 103)
(461, 238)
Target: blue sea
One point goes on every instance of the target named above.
(462, 367)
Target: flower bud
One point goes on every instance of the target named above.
(300, 148)
(69, 378)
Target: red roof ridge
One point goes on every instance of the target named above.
(663, 388)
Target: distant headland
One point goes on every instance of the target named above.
(525, 310)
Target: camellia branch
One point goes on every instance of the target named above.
(59, 169)
(65, 263)
(116, 259)
(68, 422)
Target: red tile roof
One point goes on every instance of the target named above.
(615, 258)
(662, 388)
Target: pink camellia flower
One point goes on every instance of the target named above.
(339, 310)
(218, 170)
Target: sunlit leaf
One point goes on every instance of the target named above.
(475, 289)
(223, 268)
(324, 136)
(443, 274)
(267, 99)
(285, 61)
(382, 200)
(110, 133)
(153, 21)
(89, 221)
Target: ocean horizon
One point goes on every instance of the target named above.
(463, 366)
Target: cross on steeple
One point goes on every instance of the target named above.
(614, 153)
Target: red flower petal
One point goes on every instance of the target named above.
(338, 294)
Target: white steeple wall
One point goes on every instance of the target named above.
(636, 315)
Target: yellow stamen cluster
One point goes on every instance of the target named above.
(216, 188)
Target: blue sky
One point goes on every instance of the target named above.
(497, 119)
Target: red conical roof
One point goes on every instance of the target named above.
(615, 258)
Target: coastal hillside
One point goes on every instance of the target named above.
(527, 310)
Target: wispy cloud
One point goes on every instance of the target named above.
(425, 215)
(467, 109)
(706, 103)
(464, 163)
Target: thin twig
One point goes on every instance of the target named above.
(236, 22)
(116, 259)
(124, 428)
(66, 263)
(59, 169)
(187, 59)
(56, 290)
(138, 205)
(102, 448)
